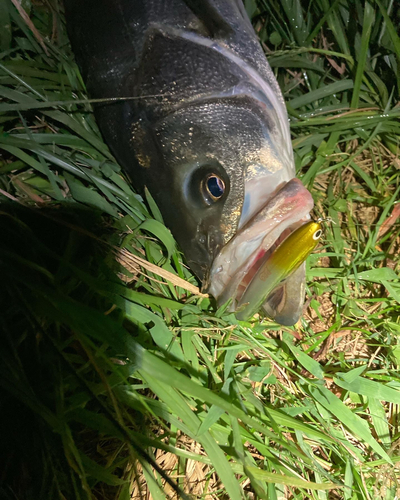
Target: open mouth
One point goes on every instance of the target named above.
(240, 260)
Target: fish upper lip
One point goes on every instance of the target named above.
(286, 210)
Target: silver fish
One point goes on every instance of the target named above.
(208, 133)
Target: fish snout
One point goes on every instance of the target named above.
(255, 249)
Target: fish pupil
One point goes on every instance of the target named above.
(215, 186)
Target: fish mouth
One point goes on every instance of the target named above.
(241, 258)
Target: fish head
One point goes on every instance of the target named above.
(227, 190)
(204, 128)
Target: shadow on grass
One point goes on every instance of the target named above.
(63, 348)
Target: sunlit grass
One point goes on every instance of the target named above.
(115, 381)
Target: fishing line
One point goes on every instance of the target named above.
(359, 224)
(325, 219)
(51, 104)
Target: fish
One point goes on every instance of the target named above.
(194, 112)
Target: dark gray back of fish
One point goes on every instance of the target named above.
(206, 117)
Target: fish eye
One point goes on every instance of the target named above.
(214, 187)
(317, 235)
(208, 185)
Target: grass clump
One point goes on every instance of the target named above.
(118, 380)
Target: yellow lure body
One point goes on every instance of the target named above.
(283, 261)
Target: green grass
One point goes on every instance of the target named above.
(113, 382)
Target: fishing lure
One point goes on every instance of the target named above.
(284, 261)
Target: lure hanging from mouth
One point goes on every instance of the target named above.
(275, 268)
(207, 132)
